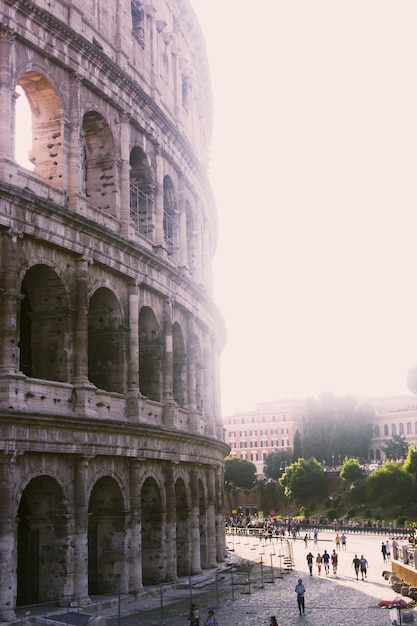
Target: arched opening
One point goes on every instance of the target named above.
(179, 366)
(43, 325)
(106, 341)
(202, 525)
(42, 543)
(99, 165)
(150, 355)
(182, 529)
(46, 152)
(141, 200)
(152, 532)
(106, 537)
(23, 132)
(170, 217)
(199, 375)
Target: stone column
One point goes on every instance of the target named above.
(8, 538)
(7, 134)
(168, 365)
(76, 155)
(208, 386)
(219, 514)
(125, 172)
(182, 224)
(9, 303)
(211, 523)
(217, 412)
(195, 556)
(133, 355)
(171, 514)
(159, 241)
(80, 528)
(82, 387)
(135, 544)
(191, 361)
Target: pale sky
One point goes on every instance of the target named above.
(313, 166)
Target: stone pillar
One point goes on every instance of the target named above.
(76, 155)
(135, 544)
(167, 365)
(171, 514)
(8, 538)
(195, 525)
(7, 134)
(191, 361)
(125, 172)
(182, 224)
(83, 389)
(219, 513)
(133, 355)
(217, 411)
(211, 522)
(159, 240)
(9, 304)
(208, 386)
(80, 529)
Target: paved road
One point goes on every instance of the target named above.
(339, 600)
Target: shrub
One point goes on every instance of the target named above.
(332, 514)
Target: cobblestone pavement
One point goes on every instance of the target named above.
(339, 600)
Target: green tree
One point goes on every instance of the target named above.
(390, 486)
(238, 474)
(275, 464)
(296, 448)
(410, 463)
(395, 448)
(351, 471)
(303, 480)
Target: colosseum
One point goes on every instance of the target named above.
(111, 446)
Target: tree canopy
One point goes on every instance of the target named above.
(395, 448)
(303, 480)
(239, 473)
(390, 486)
(337, 428)
(275, 464)
(351, 471)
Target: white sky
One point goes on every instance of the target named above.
(314, 161)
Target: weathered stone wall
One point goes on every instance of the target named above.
(111, 442)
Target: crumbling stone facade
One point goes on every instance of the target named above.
(111, 442)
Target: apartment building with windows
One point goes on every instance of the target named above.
(271, 427)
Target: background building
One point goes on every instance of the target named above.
(394, 416)
(269, 428)
(111, 446)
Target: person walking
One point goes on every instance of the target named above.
(310, 559)
(334, 559)
(356, 564)
(212, 621)
(343, 539)
(326, 561)
(306, 541)
(363, 567)
(319, 562)
(384, 551)
(194, 615)
(337, 541)
(300, 591)
(388, 547)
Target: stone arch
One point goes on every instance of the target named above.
(150, 355)
(141, 192)
(170, 221)
(179, 366)
(202, 506)
(47, 152)
(106, 341)
(153, 569)
(42, 542)
(106, 537)
(99, 167)
(43, 325)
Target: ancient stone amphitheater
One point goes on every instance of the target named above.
(111, 445)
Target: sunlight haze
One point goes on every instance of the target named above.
(313, 166)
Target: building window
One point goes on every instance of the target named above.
(409, 432)
(232, 433)
(253, 433)
(386, 429)
(253, 444)
(275, 443)
(264, 444)
(254, 456)
(242, 433)
(284, 431)
(401, 428)
(393, 430)
(376, 430)
(243, 444)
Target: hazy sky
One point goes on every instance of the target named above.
(314, 161)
